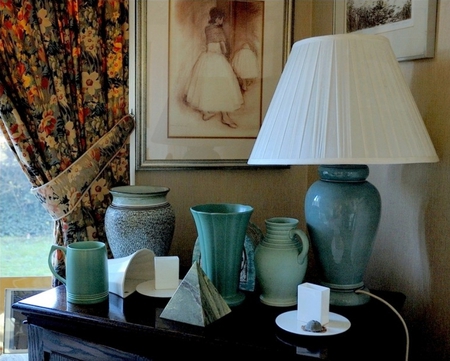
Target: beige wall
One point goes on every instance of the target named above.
(269, 192)
(412, 252)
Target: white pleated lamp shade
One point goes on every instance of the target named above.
(342, 99)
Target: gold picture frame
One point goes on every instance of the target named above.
(15, 333)
(171, 39)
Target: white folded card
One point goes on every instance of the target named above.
(125, 273)
(313, 303)
(167, 271)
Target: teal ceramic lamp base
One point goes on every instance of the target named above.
(346, 296)
(342, 213)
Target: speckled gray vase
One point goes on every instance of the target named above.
(139, 217)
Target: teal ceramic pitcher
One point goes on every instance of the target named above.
(281, 260)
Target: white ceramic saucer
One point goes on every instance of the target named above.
(288, 322)
(147, 288)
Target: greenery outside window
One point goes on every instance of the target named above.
(25, 226)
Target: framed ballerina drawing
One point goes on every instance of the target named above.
(205, 74)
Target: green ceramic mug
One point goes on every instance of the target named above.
(86, 271)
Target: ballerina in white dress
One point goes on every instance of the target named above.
(213, 87)
(245, 65)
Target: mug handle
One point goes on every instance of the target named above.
(301, 257)
(53, 248)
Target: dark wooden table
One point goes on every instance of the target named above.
(132, 329)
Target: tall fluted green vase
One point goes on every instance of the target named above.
(221, 232)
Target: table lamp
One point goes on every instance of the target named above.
(342, 103)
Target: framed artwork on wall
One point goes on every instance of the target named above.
(15, 333)
(205, 74)
(410, 25)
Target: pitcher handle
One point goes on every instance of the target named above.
(302, 256)
(53, 248)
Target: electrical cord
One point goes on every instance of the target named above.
(398, 315)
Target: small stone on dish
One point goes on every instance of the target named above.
(313, 326)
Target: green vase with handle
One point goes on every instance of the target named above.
(281, 260)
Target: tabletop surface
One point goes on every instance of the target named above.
(250, 327)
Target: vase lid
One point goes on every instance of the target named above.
(139, 196)
(140, 190)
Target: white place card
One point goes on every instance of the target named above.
(167, 272)
(313, 303)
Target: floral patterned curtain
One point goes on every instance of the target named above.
(64, 105)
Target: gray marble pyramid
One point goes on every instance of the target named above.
(196, 301)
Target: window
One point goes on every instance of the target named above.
(26, 229)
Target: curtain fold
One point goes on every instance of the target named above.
(63, 88)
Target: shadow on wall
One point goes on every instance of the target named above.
(400, 260)
(429, 84)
